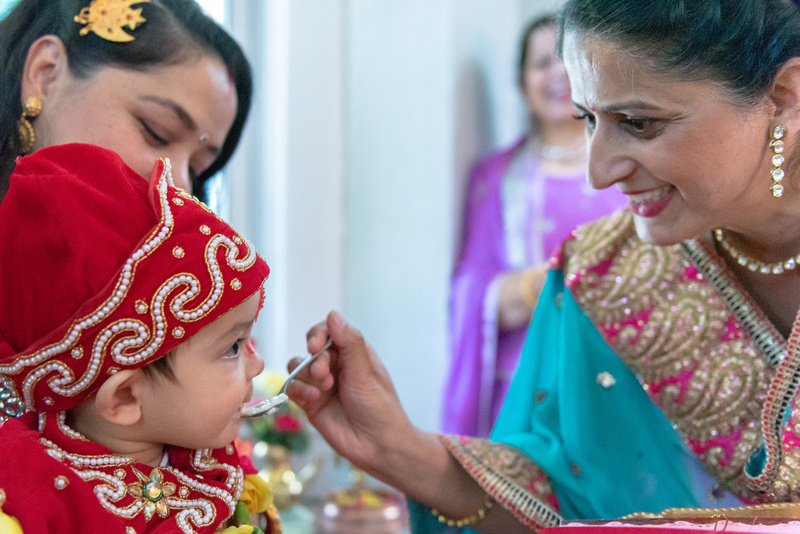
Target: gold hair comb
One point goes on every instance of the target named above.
(107, 18)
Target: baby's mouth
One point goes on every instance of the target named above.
(245, 402)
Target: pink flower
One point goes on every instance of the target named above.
(288, 423)
(245, 448)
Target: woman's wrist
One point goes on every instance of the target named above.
(530, 285)
(421, 467)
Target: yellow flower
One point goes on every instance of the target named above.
(243, 529)
(9, 525)
(256, 494)
(269, 382)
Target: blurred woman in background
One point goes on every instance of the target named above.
(521, 202)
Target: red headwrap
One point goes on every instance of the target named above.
(100, 271)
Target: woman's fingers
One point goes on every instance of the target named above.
(317, 373)
(302, 393)
(316, 337)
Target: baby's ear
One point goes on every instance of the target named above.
(118, 400)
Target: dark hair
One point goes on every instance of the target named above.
(533, 26)
(739, 44)
(173, 31)
(161, 367)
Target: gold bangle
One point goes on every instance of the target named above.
(526, 286)
(469, 520)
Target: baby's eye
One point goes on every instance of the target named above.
(233, 352)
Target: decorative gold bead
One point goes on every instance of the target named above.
(466, 521)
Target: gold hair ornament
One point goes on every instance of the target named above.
(107, 18)
(31, 107)
(777, 174)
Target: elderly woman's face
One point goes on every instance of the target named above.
(182, 112)
(545, 85)
(685, 156)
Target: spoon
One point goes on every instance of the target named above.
(271, 405)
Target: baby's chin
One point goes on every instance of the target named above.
(221, 441)
(227, 437)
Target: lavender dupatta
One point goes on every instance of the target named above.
(483, 359)
(467, 408)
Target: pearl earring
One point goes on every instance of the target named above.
(777, 174)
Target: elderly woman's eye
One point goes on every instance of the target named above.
(588, 118)
(639, 126)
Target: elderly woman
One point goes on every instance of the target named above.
(662, 363)
(521, 203)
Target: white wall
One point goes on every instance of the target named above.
(430, 88)
(287, 178)
(400, 102)
(368, 116)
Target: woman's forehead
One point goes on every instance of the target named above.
(601, 72)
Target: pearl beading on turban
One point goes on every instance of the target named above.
(165, 275)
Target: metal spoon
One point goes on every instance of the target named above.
(271, 405)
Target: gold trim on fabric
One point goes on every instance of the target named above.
(760, 511)
(506, 478)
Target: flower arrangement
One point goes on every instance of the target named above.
(286, 427)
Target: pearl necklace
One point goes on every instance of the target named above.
(562, 152)
(753, 264)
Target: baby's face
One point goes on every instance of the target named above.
(213, 371)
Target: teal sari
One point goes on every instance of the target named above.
(582, 416)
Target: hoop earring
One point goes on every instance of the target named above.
(777, 174)
(30, 109)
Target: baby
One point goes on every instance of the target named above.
(125, 314)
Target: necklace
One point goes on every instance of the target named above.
(753, 264)
(765, 462)
(562, 152)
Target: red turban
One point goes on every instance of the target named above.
(101, 271)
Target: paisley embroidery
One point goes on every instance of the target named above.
(694, 356)
(510, 477)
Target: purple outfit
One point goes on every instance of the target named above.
(515, 216)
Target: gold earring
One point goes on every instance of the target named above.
(30, 109)
(777, 174)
